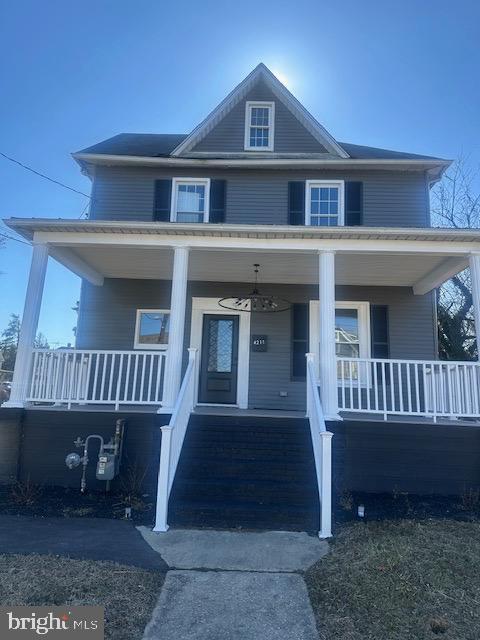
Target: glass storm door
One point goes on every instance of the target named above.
(219, 361)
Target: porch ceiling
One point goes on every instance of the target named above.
(276, 267)
(418, 258)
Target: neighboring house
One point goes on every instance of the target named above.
(348, 267)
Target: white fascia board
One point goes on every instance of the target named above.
(266, 163)
(219, 243)
(443, 272)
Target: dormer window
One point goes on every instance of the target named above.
(259, 126)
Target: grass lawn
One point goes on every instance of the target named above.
(128, 593)
(403, 580)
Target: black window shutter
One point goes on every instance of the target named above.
(296, 202)
(162, 200)
(299, 342)
(353, 204)
(218, 199)
(379, 330)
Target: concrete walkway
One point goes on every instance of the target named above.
(234, 585)
(236, 551)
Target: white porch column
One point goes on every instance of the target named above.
(475, 276)
(327, 356)
(173, 365)
(28, 329)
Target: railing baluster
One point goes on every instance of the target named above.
(159, 375)
(111, 376)
(392, 386)
(104, 373)
(400, 385)
(127, 378)
(142, 380)
(417, 388)
(150, 379)
(119, 380)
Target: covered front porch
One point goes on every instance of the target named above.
(172, 277)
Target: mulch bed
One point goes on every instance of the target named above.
(401, 506)
(48, 502)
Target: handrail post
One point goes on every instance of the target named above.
(310, 359)
(192, 357)
(326, 488)
(163, 480)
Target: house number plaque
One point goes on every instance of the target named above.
(259, 343)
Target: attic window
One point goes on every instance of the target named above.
(259, 126)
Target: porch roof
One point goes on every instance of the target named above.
(410, 257)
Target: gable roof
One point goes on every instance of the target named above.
(261, 72)
(162, 145)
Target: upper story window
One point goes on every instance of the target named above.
(324, 203)
(190, 200)
(259, 126)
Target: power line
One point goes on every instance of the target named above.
(4, 235)
(42, 175)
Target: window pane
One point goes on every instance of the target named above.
(191, 199)
(346, 326)
(220, 343)
(324, 202)
(259, 116)
(153, 328)
(189, 217)
(347, 350)
(258, 137)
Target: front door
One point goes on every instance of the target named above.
(219, 361)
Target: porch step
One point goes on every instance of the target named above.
(246, 472)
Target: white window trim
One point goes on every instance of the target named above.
(363, 310)
(136, 342)
(364, 332)
(325, 183)
(173, 204)
(271, 127)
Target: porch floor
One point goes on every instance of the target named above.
(259, 413)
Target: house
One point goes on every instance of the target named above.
(235, 280)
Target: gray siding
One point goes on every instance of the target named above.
(290, 135)
(391, 198)
(107, 321)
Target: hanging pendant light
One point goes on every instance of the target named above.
(256, 302)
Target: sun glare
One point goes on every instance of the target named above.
(282, 77)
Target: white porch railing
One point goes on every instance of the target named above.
(71, 376)
(173, 436)
(409, 387)
(322, 448)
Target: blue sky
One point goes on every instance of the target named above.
(403, 75)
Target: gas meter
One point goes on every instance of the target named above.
(109, 456)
